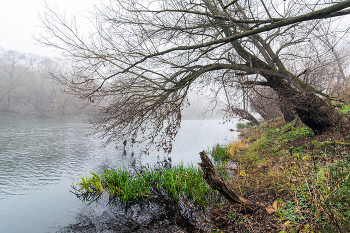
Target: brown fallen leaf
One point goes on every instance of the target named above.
(270, 209)
(275, 204)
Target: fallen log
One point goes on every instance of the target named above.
(214, 180)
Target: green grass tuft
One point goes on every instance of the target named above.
(345, 110)
(177, 181)
(219, 154)
(240, 125)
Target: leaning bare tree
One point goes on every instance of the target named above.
(141, 58)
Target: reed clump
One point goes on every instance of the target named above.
(178, 182)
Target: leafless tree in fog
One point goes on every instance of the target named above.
(140, 59)
(13, 67)
(27, 88)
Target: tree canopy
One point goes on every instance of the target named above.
(138, 60)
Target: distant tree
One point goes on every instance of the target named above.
(12, 63)
(142, 58)
(27, 87)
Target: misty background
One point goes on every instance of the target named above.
(27, 88)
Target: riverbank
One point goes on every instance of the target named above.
(302, 179)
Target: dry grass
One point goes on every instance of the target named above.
(236, 147)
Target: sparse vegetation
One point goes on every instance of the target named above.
(304, 178)
(345, 110)
(219, 153)
(241, 125)
(227, 152)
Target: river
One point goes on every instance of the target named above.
(40, 158)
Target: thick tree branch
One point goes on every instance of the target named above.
(266, 84)
(285, 22)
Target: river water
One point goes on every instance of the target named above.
(40, 158)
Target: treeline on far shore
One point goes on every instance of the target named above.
(28, 89)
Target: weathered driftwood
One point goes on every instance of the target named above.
(214, 180)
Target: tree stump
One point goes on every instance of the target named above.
(214, 180)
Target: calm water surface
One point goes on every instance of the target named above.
(40, 158)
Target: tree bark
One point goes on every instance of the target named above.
(287, 110)
(315, 112)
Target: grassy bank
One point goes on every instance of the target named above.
(302, 178)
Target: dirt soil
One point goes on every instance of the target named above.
(234, 218)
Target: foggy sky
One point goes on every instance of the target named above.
(20, 21)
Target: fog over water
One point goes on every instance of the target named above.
(40, 158)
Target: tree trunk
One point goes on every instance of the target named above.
(297, 123)
(315, 112)
(287, 110)
(7, 108)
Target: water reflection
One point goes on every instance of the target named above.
(159, 213)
